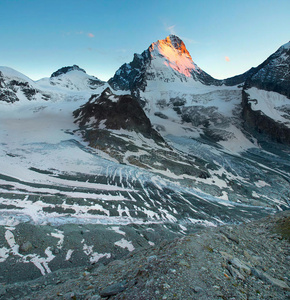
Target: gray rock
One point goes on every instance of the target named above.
(116, 262)
(235, 273)
(25, 247)
(230, 236)
(184, 263)
(198, 290)
(69, 296)
(2, 291)
(268, 278)
(151, 258)
(113, 289)
(226, 255)
(95, 297)
(240, 265)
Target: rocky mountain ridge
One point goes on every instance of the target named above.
(272, 76)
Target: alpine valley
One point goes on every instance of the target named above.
(91, 170)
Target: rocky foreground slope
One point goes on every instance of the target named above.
(246, 261)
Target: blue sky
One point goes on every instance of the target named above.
(224, 38)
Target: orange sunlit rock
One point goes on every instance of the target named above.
(176, 55)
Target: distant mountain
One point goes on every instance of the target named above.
(73, 78)
(173, 89)
(178, 96)
(15, 86)
(266, 97)
(65, 70)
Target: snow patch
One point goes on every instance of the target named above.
(125, 244)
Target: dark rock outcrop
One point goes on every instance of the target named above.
(65, 70)
(272, 75)
(116, 112)
(259, 122)
(118, 126)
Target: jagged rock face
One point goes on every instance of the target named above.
(167, 60)
(131, 77)
(116, 112)
(273, 74)
(65, 70)
(263, 124)
(118, 126)
(263, 109)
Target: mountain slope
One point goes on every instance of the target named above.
(266, 97)
(15, 86)
(73, 78)
(230, 262)
(117, 125)
(273, 74)
(65, 83)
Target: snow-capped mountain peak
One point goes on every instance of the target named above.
(165, 61)
(172, 41)
(73, 78)
(176, 56)
(65, 70)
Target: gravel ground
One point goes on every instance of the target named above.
(246, 261)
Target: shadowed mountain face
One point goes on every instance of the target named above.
(273, 74)
(65, 70)
(266, 97)
(117, 125)
(116, 112)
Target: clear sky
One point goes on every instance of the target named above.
(224, 37)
